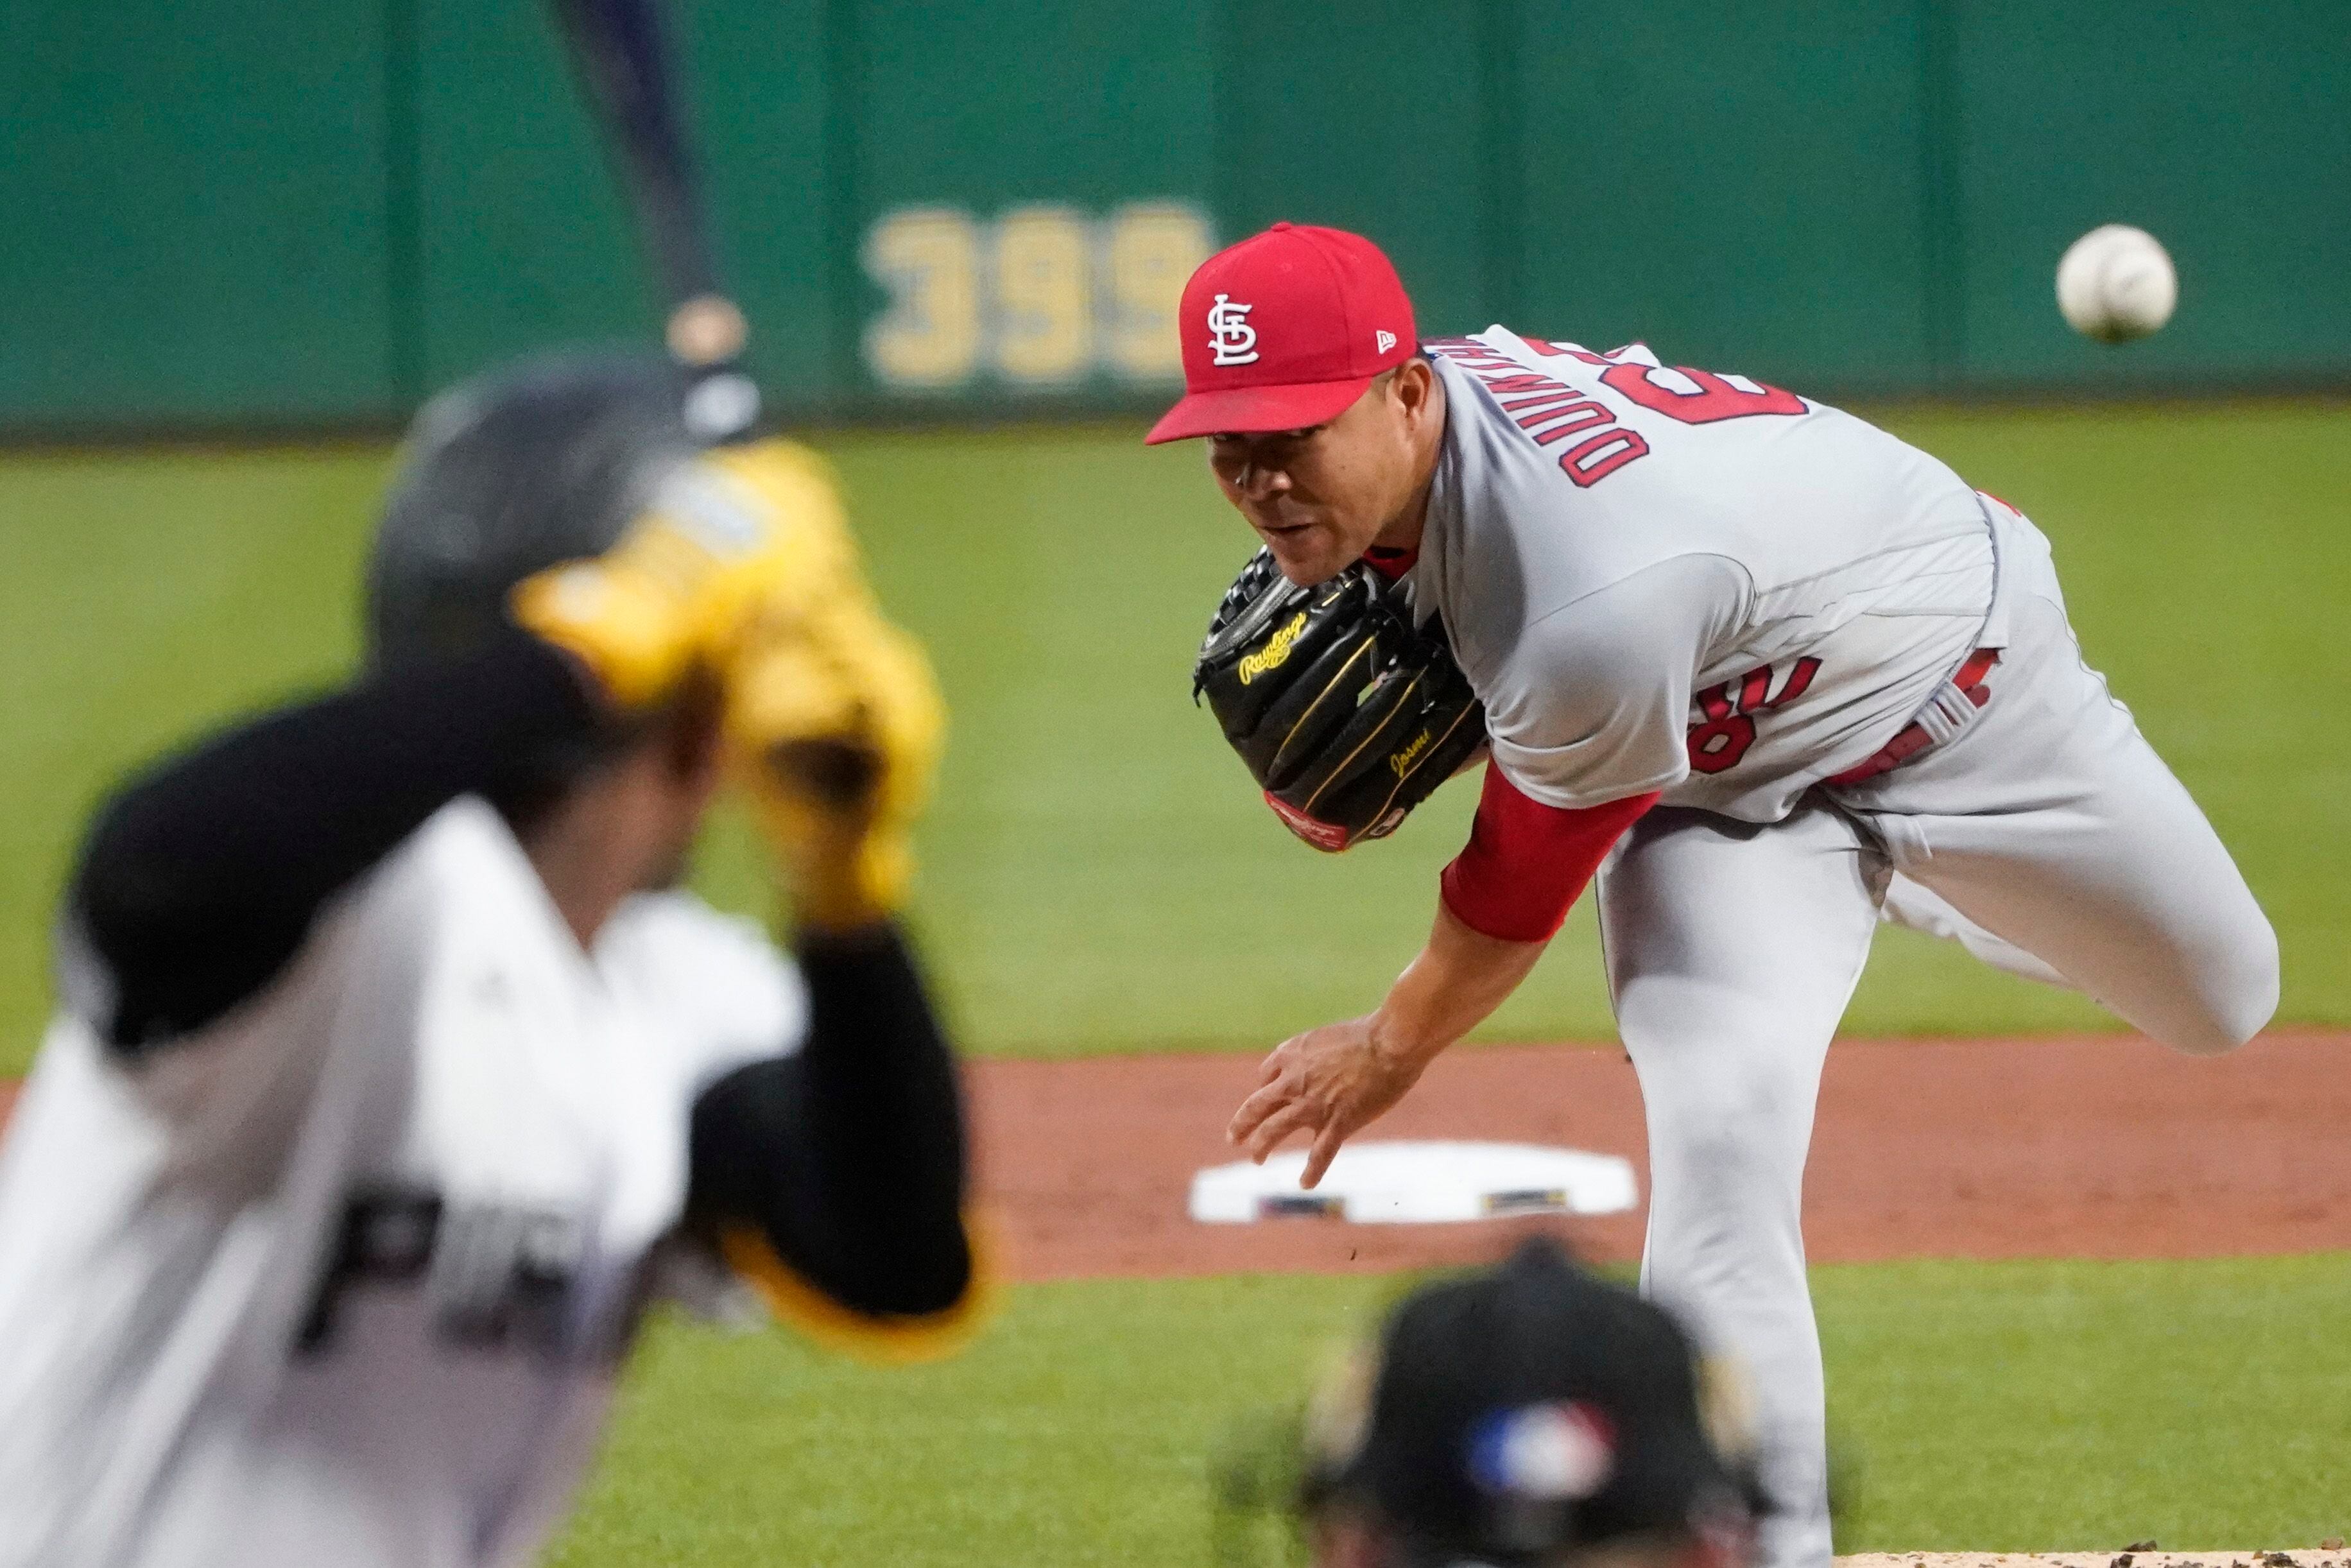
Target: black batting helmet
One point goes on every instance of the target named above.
(1526, 1416)
(507, 473)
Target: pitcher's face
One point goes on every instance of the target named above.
(1319, 496)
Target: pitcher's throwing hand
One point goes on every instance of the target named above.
(1328, 1083)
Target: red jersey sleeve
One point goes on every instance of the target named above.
(1527, 863)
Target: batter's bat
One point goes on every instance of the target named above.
(621, 52)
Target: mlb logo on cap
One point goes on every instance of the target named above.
(1285, 331)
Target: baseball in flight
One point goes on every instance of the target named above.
(2116, 283)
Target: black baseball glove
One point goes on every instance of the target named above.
(1347, 715)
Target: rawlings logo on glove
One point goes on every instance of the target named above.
(1277, 648)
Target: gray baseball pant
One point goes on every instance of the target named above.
(2044, 834)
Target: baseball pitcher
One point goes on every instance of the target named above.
(390, 1080)
(1784, 674)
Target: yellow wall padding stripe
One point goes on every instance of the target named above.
(892, 1341)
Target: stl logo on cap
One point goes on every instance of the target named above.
(1230, 335)
(1300, 322)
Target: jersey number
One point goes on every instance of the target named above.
(1728, 729)
(1689, 396)
(1708, 398)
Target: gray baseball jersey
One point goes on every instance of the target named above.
(344, 1279)
(1670, 579)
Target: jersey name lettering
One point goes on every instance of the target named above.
(1550, 410)
(497, 1276)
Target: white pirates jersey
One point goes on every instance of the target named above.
(1665, 578)
(344, 1279)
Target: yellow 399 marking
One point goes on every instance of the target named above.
(1275, 651)
(1043, 297)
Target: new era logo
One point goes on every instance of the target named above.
(1387, 341)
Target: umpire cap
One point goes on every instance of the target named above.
(1525, 1414)
(510, 472)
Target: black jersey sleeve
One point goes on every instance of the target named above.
(845, 1162)
(200, 878)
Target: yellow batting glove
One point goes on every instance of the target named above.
(735, 531)
(834, 726)
(797, 490)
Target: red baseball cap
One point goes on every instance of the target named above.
(1286, 329)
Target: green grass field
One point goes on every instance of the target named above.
(2007, 1407)
(1100, 878)
(1098, 875)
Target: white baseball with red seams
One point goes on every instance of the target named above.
(2117, 283)
(1669, 578)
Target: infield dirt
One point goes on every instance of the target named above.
(2102, 1146)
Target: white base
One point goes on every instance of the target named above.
(1418, 1184)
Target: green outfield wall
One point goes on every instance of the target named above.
(229, 213)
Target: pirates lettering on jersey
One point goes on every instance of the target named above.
(1727, 725)
(498, 1276)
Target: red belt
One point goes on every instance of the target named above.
(1914, 738)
